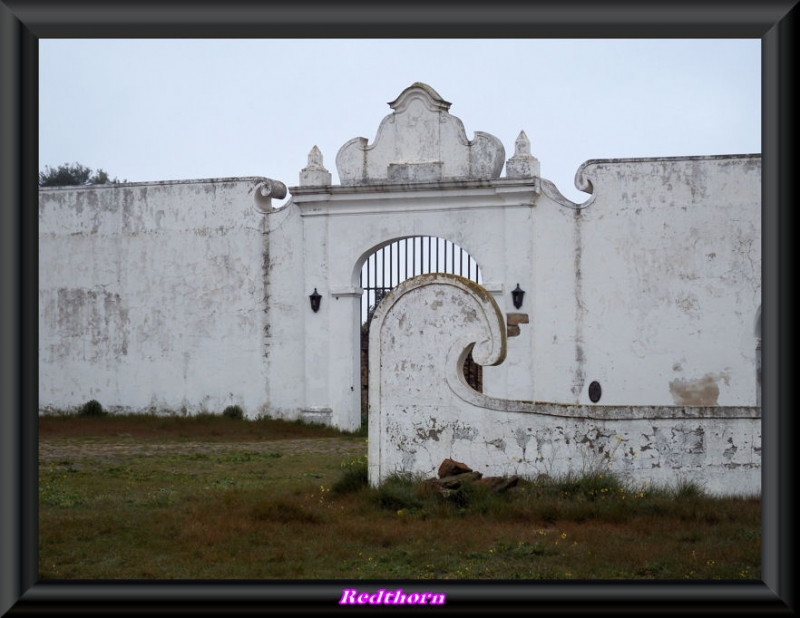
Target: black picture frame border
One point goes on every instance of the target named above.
(23, 23)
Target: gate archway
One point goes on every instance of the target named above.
(404, 201)
(403, 258)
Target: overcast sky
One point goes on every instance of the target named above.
(147, 109)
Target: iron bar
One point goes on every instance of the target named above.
(408, 257)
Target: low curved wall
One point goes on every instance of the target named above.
(422, 410)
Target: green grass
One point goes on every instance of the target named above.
(237, 512)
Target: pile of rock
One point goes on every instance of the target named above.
(453, 474)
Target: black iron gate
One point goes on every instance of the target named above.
(400, 260)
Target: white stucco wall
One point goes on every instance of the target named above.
(653, 287)
(285, 311)
(150, 296)
(182, 294)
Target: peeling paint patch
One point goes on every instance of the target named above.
(428, 434)
(463, 432)
(729, 452)
(498, 443)
(702, 392)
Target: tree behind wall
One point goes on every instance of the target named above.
(68, 175)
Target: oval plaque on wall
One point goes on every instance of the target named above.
(595, 391)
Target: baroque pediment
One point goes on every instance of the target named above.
(420, 141)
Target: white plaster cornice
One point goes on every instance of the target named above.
(417, 197)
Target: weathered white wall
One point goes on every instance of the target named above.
(422, 411)
(194, 294)
(151, 296)
(652, 288)
(285, 310)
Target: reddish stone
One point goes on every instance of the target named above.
(450, 467)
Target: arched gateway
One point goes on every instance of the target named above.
(420, 179)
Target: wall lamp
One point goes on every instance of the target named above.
(516, 296)
(315, 298)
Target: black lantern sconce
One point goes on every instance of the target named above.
(516, 296)
(315, 298)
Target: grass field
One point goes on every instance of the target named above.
(210, 497)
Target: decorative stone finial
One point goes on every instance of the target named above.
(523, 145)
(523, 164)
(314, 174)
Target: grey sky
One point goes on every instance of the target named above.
(150, 109)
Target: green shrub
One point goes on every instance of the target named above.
(684, 489)
(399, 492)
(353, 478)
(92, 408)
(476, 497)
(233, 412)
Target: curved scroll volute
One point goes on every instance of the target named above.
(265, 191)
(419, 336)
